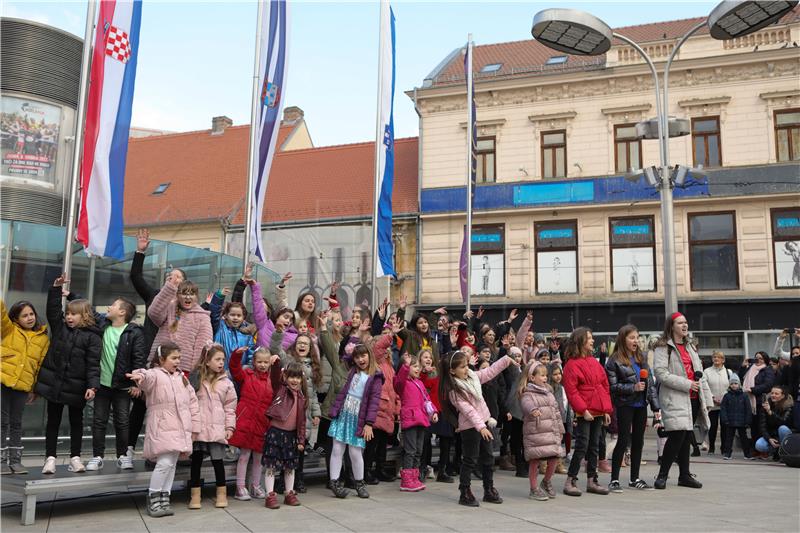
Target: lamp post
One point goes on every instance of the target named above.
(579, 33)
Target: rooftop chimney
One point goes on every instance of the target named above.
(292, 114)
(218, 125)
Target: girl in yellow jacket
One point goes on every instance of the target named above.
(24, 345)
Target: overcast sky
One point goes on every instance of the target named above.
(195, 58)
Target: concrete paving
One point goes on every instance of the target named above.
(737, 496)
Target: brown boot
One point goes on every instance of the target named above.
(593, 487)
(506, 464)
(571, 487)
(222, 497)
(560, 467)
(196, 497)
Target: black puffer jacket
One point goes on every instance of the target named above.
(72, 363)
(622, 379)
(131, 352)
(779, 416)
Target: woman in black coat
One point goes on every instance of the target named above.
(70, 373)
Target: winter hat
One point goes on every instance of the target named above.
(734, 379)
(514, 350)
(538, 338)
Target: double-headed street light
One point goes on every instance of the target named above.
(579, 33)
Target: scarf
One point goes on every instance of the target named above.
(472, 386)
(750, 382)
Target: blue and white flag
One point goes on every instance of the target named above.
(384, 149)
(272, 80)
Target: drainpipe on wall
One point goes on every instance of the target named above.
(418, 259)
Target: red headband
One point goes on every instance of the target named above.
(675, 315)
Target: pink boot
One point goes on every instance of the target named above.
(409, 481)
(415, 479)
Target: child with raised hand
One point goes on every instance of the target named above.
(180, 320)
(542, 428)
(255, 397)
(216, 399)
(284, 441)
(462, 402)
(173, 418)
(266, 324)
(416, 413)
(123, 352)
(231, 329)
(24, 345)
(352, 416)
(70, 373)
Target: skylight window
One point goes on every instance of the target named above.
(161, 188)
(556, 60)
(493, 67)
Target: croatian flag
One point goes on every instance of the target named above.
(384, 149)
(463, 267)
(272, 80)
(108, 119)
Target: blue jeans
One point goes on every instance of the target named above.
(762, 444)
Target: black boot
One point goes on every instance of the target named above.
(300, 483)
(370, 477)
(338, 489)
(661, 481)
(386, 474)
(689, 481)
(467, 498)
(490, 495)
(522, 469)
(443, 477)
(361, 489)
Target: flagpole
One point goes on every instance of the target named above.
(88, 41)
(470, 120)
(378, 141)
(253, 160)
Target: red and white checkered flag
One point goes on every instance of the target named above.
(117, 44)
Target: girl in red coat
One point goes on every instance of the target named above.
(255, 397)
(586, 384)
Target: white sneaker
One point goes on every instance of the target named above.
(242, 494)
(76, 465)
(95, 463)
(258, 492)
(49, 466)
(124, 462)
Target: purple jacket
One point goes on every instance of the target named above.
(264, 322)
(413, 396)
(370, 402)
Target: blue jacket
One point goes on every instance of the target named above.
(735, 409)
(230, 338)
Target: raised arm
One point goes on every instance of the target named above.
(401, 378)
(524, 328)
(140, 285)
(263, 323)
(7, 324)
(53, 310)
(159, 308)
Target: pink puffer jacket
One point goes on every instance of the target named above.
(192, 333)
(541, 436)
(413, 396)
(217, 410)
(172, 412)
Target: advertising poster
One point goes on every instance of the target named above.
(29, 135)
(787, 264)
(633, 269)
(488, 274)
(557, 272)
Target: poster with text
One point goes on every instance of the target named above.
(557, 272)
(29, 135)
(787, 264)
(488, 274)
(633, 269)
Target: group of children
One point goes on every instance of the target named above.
(212, 380)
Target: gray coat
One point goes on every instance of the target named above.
(674, 387)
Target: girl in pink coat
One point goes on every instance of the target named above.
(462, 402)
(217, 400)
(416, 413)
(542, 428)
(181, 320)
(173, 416)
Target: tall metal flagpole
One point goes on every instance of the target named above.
(378, 140)
(470, 120)
(252, 161)
(86, 58)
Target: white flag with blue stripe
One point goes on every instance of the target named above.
(272, 80)
(384, 150)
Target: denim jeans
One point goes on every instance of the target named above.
(763, 445)
(106, 400)
(12, 404)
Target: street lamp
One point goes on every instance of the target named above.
(579, 33)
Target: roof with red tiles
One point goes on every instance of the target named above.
(207, 177)
(526, 57)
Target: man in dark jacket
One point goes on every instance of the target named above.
(123, 351)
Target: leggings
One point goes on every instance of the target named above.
(136, 420)
(677, 447)
(515, 440)
(631, 422)
(197, 463)
(477, 452)
(54, 412)
(375, 450)
(356, 458)
(713, 417)
(241, 468)
(164, 472)
(533, 470)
